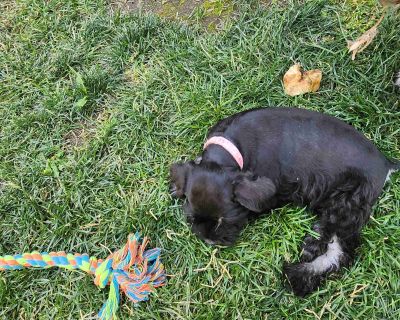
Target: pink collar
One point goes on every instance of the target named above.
(228, 146)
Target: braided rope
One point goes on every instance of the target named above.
(131, 269)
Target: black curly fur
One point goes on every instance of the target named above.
(343, 211)
(290, 156)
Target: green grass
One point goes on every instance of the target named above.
(94, 107)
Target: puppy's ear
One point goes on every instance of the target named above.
(254, 193)
(179, 173)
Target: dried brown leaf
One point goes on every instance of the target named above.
(298, 82)
(364, 40)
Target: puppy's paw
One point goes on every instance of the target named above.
(300, 280)
(313, 248)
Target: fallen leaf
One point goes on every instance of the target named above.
(364, 40)
(297, 82)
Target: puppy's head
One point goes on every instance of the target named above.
(219, 202)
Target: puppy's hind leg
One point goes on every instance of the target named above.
(305, 277)
(343, 213)
(314, 246)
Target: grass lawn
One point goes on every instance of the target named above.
(95, 104)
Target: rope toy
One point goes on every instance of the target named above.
(131, 269)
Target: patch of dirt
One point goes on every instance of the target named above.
(78, 137)
(7, 8)
(75, 138)
(138, 74)
(210, 13)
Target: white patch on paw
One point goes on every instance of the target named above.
(328, 261)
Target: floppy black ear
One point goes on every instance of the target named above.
(178, 176)
(254, 193)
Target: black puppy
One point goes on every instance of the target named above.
(262, 159)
